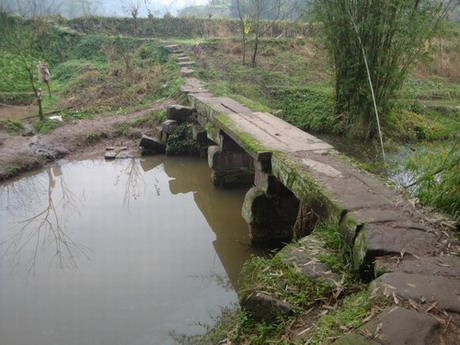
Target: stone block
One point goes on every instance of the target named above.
(375, 240)
(151, 145)
(401, 326)
(264, 307)
(169, 126)
(447, 266)
(109, 155)
(179, 113)
(421, 288)
(233, 179)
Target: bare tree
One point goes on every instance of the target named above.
(257, 17)
(132, 8)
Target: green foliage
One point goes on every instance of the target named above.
(390, 34)
(13, 77)
(436, 178)
(11, 126)
(308, 108)
(46, 125)
(181, 142)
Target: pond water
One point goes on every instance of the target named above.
(121, 252)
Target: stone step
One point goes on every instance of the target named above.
(421, 288)
(186, 63)
(185, 71)
(398, 325)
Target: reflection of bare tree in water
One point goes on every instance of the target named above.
(46, 227)
(135, 184)
(135, 180)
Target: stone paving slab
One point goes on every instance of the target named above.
(421, 288)
(303, 256)
(186, 71)
(401, 326)
(447, 266)
(375, 240)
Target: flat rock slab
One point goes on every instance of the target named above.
(186, 63)
(447, 266)
(186, 71)
(304, 256)
(169, 126)
(182, 58)
(179, 113)
(381, 239)
(354, 339)
(422, 289)
(151, 145)
(109, 155)
(401, 326)
(124, 155)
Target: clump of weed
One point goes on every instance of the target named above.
(46, 125)
(350, 313)
(11, 126)
(91, 137)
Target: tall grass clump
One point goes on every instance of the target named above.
(436, 178)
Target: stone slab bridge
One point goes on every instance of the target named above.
(298, 180)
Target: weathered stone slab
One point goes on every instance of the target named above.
(354, 339)
(375, 240)
(124, 155)
(151, 145)
(265, 307)
(422, 288)
(179, 113)
(304, 256)
(182, 58)
(400, 326)
(169, 126)
(186, 71)
(353, 221)
(172, 46)
(186, 63)
(109, 155)
(447, 266)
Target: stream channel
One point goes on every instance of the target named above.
(117, 253)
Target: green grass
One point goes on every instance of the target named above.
(91, 137)
(46, 125)
(11, 126)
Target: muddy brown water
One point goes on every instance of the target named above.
(121, 252)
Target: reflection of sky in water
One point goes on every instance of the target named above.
(116, 253)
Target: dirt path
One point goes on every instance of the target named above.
(21, 153)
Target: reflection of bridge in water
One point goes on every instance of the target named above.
(221, 209)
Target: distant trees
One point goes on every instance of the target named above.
(373, 44)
